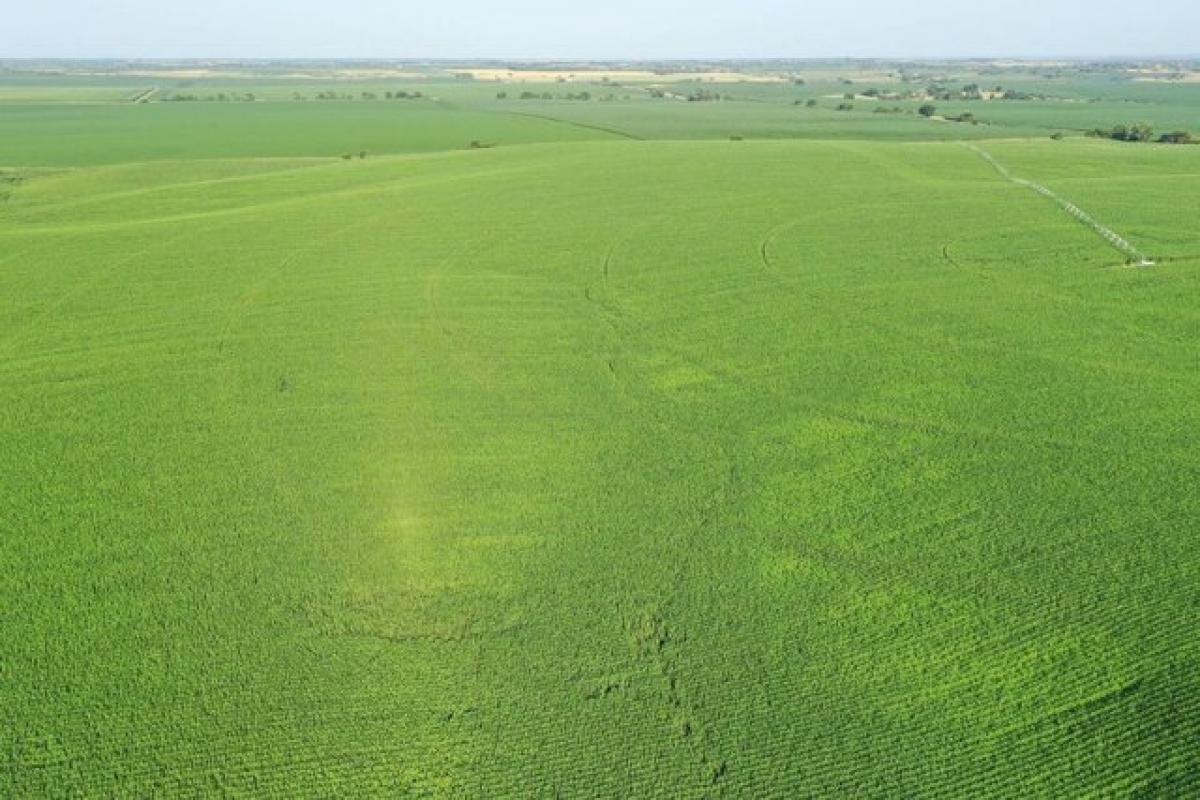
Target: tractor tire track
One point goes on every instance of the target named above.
(250, 295)
(257, 288)
(601, 298)
(99, 276)
(764, 247)
(570, 123)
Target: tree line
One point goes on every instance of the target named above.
(1142, 132)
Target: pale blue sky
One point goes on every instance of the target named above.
(597, 28)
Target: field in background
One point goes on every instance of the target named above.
(607, 457)
(79, 114)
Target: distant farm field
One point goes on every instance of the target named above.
(591, 466)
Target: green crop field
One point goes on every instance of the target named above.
(609, 457)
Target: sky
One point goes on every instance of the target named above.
(597, 29)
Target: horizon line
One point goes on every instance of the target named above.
(621, 59)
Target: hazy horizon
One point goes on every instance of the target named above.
(618, 30)
(649, 59)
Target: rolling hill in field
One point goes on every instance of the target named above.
(587, 466)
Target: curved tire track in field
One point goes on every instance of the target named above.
(291, 201)
(175, 186)
(84, 286)
(600, 298)
(1115, 240)
(764, 247)
(250, 295)
(252, 292)
(608, 255)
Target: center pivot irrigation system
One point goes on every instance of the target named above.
(1118, 242)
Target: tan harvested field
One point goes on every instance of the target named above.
(858, 76)
(543, 75)
(1169, 77)
(204, 73)
(356, 74)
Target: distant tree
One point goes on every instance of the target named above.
(848, 96)
(927, 110)
(501, 95)
(387, 95)
(362, 154)
(1137, 132)
(798, 82)
(845, 107)
(1057, 136)
(811, 104)
(1177, 137)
